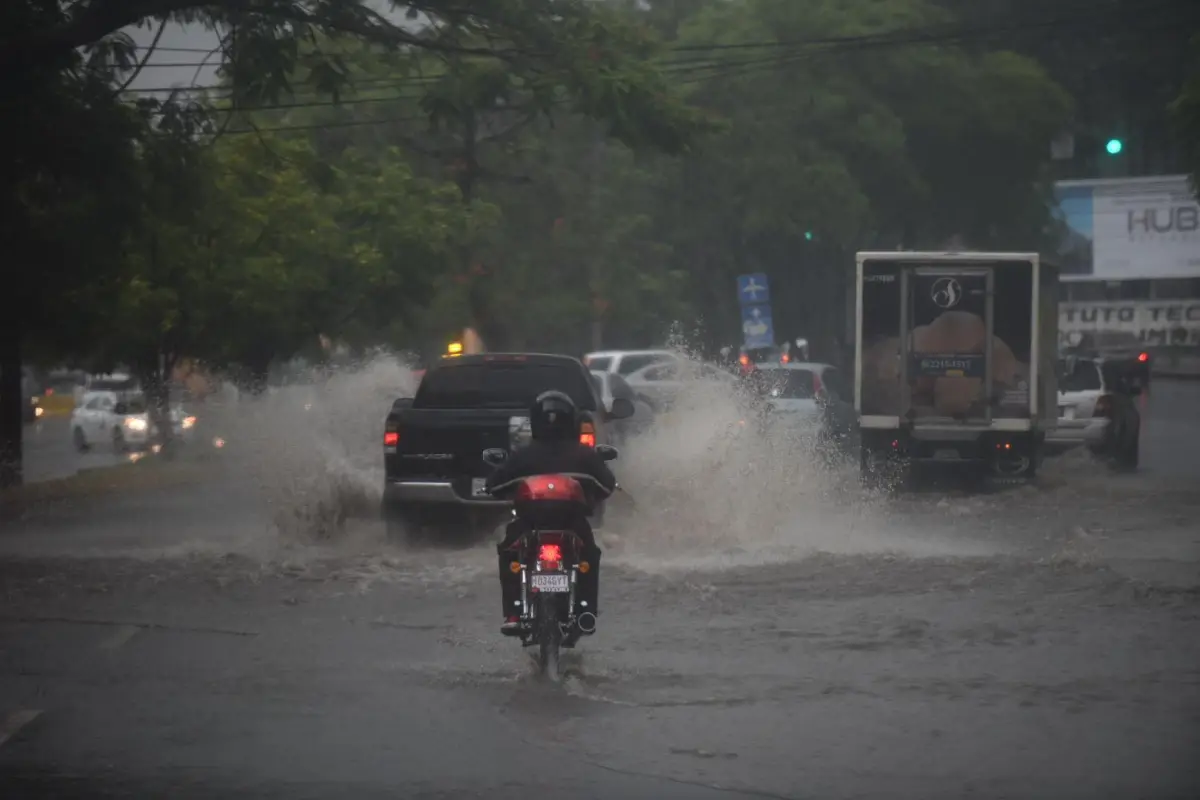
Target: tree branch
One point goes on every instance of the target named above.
(145, 59)
(101, 18)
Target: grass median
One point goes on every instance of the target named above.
(146, 474)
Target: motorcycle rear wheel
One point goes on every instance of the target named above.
(549, 636)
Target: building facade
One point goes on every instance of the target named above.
(1130, 259)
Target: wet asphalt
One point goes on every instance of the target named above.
(1041, 642)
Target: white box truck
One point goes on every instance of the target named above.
(955, 359)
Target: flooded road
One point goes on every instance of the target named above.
(808, 640)
(1065, 664)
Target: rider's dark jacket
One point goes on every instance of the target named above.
(555, 457)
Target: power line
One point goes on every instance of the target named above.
(702, 70)
(1086, 11)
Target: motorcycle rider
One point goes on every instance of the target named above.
(555, 449)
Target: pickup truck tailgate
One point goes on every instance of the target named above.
(445, 444)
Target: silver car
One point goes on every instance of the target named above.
(659, 385)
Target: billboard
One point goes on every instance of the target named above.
(1153, 322)
(1128, 229)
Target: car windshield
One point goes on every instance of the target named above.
(113, 385)
(789, 384)
(501, 384)
(1081, 376)
(131, 405)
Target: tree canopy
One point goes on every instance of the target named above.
(554, 173)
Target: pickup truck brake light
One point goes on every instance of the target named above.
(587, 434)
(1143, 357)
(391, 438)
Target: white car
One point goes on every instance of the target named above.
(626, 362)
(120, 420)
(1090, 413)
(810, 394)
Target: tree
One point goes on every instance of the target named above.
(849, 130)
(78, 50)
(1185, 114)
(66, 199)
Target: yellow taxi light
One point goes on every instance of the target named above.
(454, 349)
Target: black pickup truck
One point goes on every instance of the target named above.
(433, 443)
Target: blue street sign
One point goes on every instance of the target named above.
(757, 328)
(753, 289)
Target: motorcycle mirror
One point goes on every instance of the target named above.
(495, 456)
(607, 452)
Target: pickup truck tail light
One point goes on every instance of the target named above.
(587, 434)
(391, 438)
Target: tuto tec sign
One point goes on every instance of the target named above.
(1154, 322)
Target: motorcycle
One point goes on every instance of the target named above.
(549, 558)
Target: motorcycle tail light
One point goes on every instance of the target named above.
(550, 554)
(1143, 357)
(587, 434)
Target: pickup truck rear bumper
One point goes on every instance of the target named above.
(429, 493)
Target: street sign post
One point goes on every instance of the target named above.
(758, 329)
(753, 289)
(754, 296)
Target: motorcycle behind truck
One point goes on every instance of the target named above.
(549, 557)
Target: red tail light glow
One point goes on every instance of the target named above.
(1143, 357)
(818, 387)
(744, 360)
(785, 358)
(391, 439)
(587, 434)
(550, 554)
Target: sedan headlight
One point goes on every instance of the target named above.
(136, 424)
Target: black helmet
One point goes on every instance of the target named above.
(553, 417)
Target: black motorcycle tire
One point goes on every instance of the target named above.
(549, 635)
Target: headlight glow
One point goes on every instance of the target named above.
(188, 422)
(135, 424)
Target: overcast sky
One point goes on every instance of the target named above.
(188, 45)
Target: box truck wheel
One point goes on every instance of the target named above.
(878, 469)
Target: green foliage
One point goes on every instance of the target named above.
(1185, 115)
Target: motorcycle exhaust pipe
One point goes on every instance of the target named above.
(586, 622)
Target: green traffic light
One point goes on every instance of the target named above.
(808, 235)
(1114, 146)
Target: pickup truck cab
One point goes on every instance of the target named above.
(433, 443)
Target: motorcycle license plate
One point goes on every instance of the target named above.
(477, 487)
(557, 583)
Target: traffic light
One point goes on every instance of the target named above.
(1114, 147)
(808, 236)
